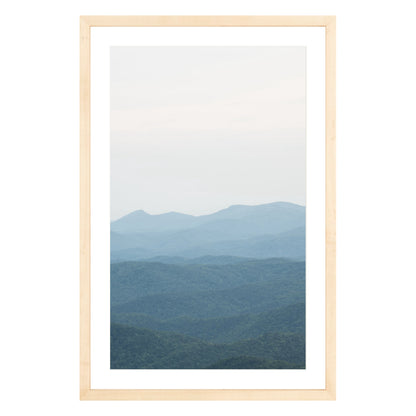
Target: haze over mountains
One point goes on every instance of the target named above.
(262, 231)
(225, 290)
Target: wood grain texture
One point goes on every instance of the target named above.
(85, 209)
(86, 393)
(203, 394)
(214, 21)
(330, 207)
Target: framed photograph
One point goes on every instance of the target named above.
(207, 208)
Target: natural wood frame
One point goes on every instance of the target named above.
(86, 393)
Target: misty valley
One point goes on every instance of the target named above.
(218, 291)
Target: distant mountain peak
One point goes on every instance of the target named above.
(234, 207)
(267, 204)
(174, 214)
(275, 203)
(137, 213)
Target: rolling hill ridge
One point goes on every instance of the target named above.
(225, 290)
(270, 230)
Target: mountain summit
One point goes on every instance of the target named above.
(140, 221)
(268, 230)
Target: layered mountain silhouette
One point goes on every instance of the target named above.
(219, 291)
(262, 231)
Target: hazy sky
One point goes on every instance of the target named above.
(196, 129)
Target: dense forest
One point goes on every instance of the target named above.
(209, 311)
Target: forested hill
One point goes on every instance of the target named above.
(143, 348)
(132, 280)
(225, 290)
(228, 313)
(223, 329)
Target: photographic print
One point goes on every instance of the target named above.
(208, 207)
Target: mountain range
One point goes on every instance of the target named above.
(218, 291)
(262, 231)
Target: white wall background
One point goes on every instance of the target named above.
(39, 206)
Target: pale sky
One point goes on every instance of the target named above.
(197, 129)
